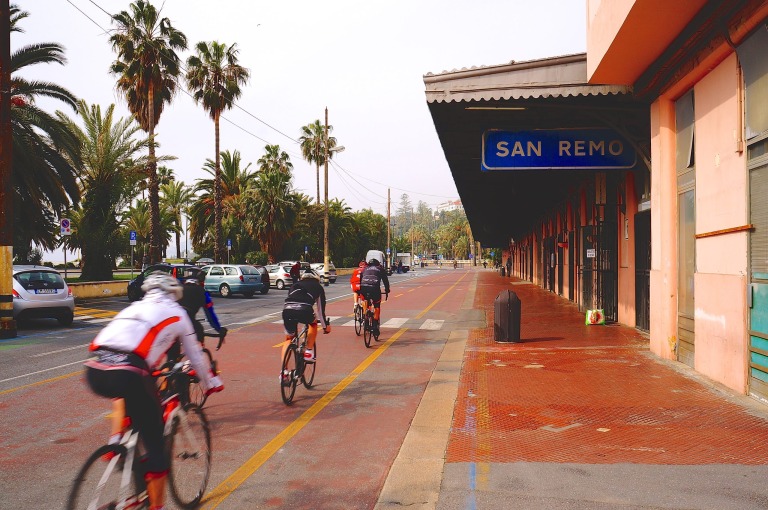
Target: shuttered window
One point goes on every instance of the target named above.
(755, 67)
(758, 189)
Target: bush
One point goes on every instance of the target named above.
(257, 257)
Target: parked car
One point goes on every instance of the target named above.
(41, 292)
(303, 265)
(330, 275)
(280, 276)
(228, 279)
(180, 271)
(264, 278)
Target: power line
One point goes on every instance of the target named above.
(235, 105)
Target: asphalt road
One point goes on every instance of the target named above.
(331, 449)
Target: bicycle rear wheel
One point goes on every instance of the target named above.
(358, 320)
(308, 374)
(289, 366)
(197, 394)
(368, 330)
(189, 451)
(100, 483)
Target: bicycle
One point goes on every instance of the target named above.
(358, 312)
(113, 476)
(196, 393)
(369, 323)
(296, 367)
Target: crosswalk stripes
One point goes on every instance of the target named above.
(94, 315)
(393, 323)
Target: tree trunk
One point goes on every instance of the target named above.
(178, 241)
(218, 248)
(154, 191)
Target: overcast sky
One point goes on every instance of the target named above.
(363, 60)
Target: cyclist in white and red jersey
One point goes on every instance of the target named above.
(129, 348)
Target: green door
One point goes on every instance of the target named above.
(758, 291)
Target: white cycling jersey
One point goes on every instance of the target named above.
(148, 328)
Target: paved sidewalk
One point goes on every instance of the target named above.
(573, 416)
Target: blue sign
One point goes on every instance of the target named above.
(229, 242)
(132, 235)
(556, 149)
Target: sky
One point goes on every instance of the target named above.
(362, 60)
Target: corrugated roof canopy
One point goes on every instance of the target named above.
(551, 93)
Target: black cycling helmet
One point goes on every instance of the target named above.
(373, 262)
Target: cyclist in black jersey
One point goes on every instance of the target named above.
(299, 308)
(370, 287)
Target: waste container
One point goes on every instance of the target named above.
(506, 317)
(502, 270)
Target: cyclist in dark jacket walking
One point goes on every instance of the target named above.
(370, 287)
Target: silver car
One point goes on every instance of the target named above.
(41, 292)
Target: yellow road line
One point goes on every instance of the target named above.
(38, 383)
(233, 481)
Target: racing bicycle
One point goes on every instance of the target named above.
(196, 393)
(113, 476)
(370, 327)
(295, 368)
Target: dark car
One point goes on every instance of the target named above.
(180, 271)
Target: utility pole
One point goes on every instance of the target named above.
(326, 255)
(412, 224)
(388, 230)
(7, 324)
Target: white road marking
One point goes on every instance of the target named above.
(432, 324)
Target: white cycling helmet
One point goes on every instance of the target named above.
(309, 275)
(163, 282)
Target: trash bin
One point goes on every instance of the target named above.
(502, 271)
(506, 317)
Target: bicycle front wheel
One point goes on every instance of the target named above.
(358, 320)
(288, 372)
(197, 394)
(103, 482)
(308, 374)
(189, 452)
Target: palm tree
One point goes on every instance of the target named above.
(234, 181)
(147, 68)
(273, 211)
(313, 147)
(275, 159)
(215, 78)
(175, 200)
(46, 153)
(109, 176)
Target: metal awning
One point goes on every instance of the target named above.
(551, 93)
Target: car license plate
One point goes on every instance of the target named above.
(45, 291)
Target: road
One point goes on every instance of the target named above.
(331, 449)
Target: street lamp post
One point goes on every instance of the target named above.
(326, 255)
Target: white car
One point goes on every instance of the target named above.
(330, 275)
(41, 292)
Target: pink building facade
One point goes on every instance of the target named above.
(702, 67)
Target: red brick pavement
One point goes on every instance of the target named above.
(589, 394)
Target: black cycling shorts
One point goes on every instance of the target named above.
(293, 316)
(142, 404)
(373, 294)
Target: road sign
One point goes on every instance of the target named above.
(66, 227)
(387, 251)
(229, 244)
(132, 237)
